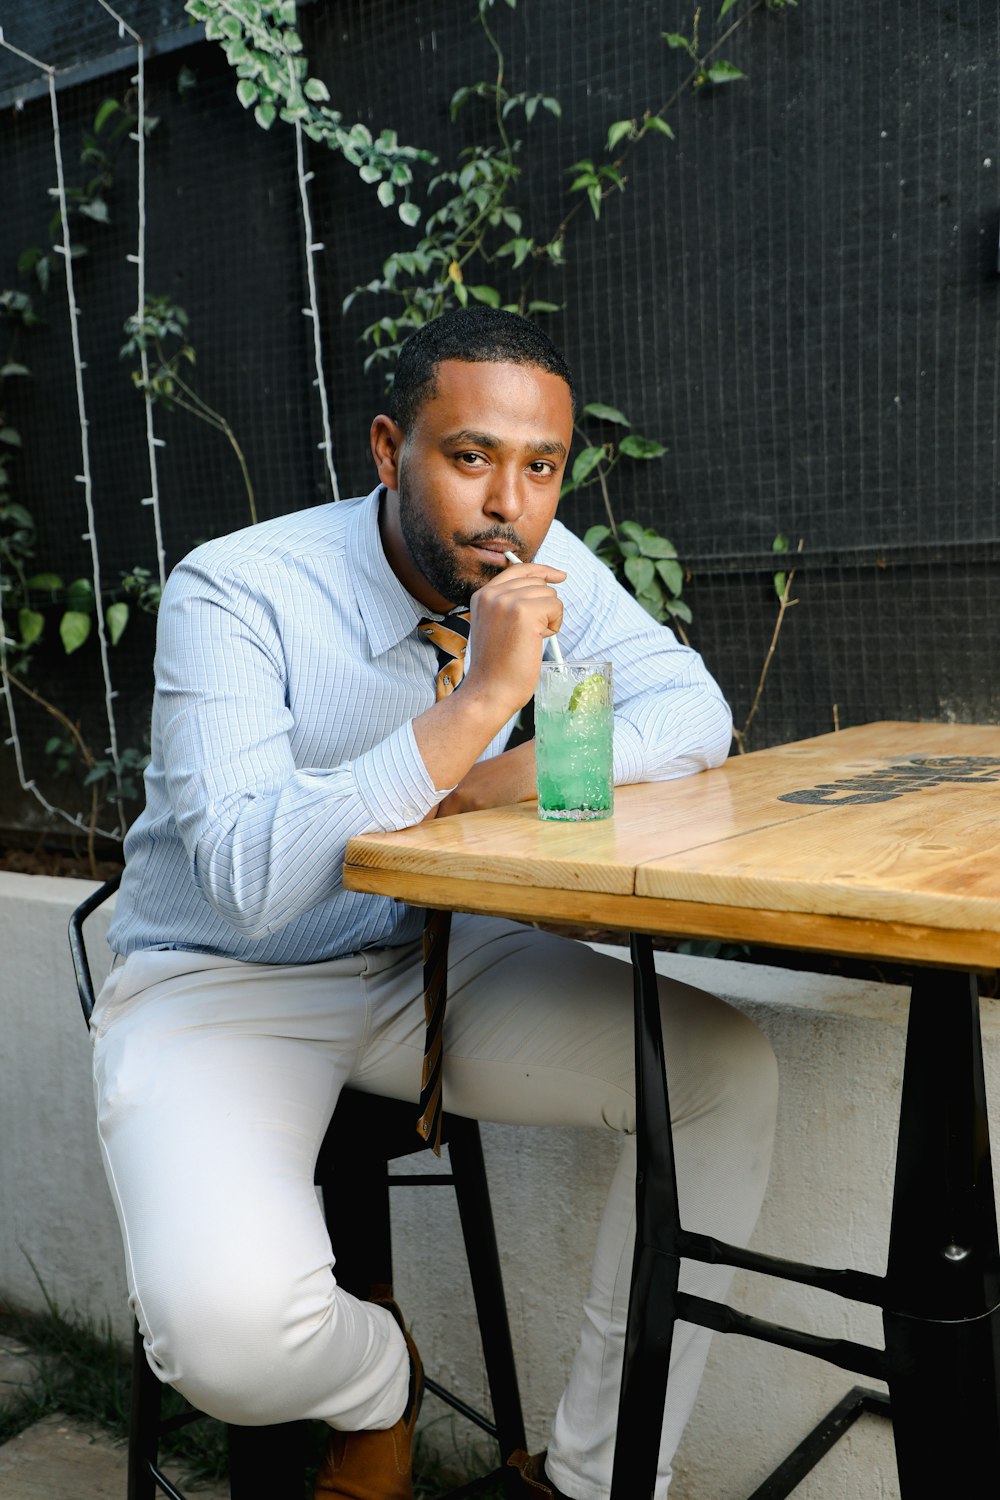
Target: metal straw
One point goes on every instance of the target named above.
(557, 655)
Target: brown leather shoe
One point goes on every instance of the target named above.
(375, 1465)
(534, 1480)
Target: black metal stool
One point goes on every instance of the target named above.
(365, 1135)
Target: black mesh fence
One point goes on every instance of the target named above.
(796, 295)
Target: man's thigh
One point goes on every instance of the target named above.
(539, 1030)
(215, 1083)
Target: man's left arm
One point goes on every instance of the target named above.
(670, 716)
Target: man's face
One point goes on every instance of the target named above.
(478, 473)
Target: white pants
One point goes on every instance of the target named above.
(215, 1083)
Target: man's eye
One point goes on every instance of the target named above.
(470, 458)
(541, 466)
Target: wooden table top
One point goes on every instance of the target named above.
(882, 840)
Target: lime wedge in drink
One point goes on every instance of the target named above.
(592, 692)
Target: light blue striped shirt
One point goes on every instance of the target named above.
(288, 671)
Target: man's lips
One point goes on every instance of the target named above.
(489, 552)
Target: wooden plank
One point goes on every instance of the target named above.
(816, 933)
(928, 855)
(891, 823)
(659, 819)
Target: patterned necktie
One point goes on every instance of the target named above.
(450, 637)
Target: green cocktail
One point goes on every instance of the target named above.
(574, 729)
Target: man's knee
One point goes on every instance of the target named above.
(235, 1348)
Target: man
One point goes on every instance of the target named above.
(295, 706)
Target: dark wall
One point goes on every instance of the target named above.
(797, 295)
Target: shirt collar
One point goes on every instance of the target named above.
(388, 610)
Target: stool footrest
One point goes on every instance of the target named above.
(462, 1407)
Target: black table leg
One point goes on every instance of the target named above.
(941, 1314)
(653, 1302)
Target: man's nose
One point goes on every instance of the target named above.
(505, 496)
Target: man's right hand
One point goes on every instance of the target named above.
(512, 617)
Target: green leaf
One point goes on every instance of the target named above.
(96, 209)
(80, 595)
(386, 194)
(52, 744)
(617, 132)
(520, 249)
(727, 6)
(657, 546)
(655, 123)
(634, 446)
(30, 624)
(74, 629)
(246, 92)
(724, 72)
(595, 535)
(264, 115)
(585, 462)
(11, 436)
(640, 573)
(45, 583)
(409, 213)
(116, 618)
(487, 294)
(12, 368)
(672, 574)
(605, 413)
(674, 40)
(104, 114)
(634, 530)
(780, 544)
(679, 610)
(316, 90)
(780, 584)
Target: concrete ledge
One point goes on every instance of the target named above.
(840, 1048)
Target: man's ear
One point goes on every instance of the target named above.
(387, 445)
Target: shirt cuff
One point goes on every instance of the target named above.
(393, 783)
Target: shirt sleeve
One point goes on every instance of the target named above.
(670, 715)
(265, 837)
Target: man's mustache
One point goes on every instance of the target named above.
(505, 534)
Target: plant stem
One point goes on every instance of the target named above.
(86, 755)
(601, 475)
(198, 407)
(784, 604)
(669, 103)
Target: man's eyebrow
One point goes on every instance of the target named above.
(544, 447)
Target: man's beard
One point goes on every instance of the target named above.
(438, 561)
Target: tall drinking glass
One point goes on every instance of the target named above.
(574, 727)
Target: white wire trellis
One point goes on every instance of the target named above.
(153, 442)
(84, 478)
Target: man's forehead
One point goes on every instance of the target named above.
(486, 396)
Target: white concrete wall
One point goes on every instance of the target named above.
(839, 1045)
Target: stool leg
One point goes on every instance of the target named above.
(144, 1424)
(472, 1192)
(360, 1232)
(267, 1461)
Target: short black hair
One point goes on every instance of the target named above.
(475, 335)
